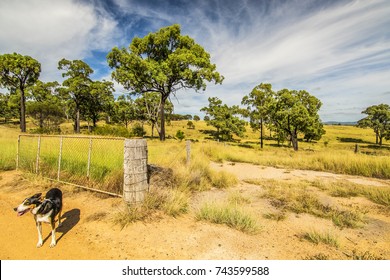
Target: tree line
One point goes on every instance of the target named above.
(287, 113)
(153, 69)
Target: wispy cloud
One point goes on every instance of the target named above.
(51, 30)
(337, 50)
(342, 47)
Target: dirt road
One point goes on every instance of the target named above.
(88, 231)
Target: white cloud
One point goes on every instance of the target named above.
(344, 50)
(51, 30)
(337, 50)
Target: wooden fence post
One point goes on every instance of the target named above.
(135, 184)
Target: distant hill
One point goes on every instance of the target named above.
(339, 123)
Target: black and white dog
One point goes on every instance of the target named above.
(44, 211)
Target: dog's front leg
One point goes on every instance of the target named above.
(53, 234)
(40, 240)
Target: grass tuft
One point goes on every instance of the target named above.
(364, 256)
(229, 215)
(325, 238)
(172, 202)
(296, 198)
(278, 216)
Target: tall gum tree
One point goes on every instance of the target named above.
(17, 72)
(163, 62)
(378, 118)
(295, 112)
(76, 86)
(258, 105)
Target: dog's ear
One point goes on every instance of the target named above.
(37, 196)
(35, 199)
(45, 207)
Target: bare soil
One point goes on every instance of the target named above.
(88, 231)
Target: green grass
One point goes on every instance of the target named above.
(106, 160)
(333, 153)
(230, 215)
(8, 147)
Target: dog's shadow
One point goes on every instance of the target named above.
(69, 220)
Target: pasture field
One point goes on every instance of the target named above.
(333, 153)
(232, 201)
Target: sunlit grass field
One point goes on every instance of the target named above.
(335, 152)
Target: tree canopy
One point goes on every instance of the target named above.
(163, 62)
(378, 118)
(17, 72)
(258, 107)
(76, 86)
(225, 119)
(296, 112)
(45, 106)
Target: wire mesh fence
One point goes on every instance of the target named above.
(90, 162)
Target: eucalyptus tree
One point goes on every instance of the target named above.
(44, 105)
(76, 88)
(149, 105)
(17, 73)
(163, 62)
(378, 118)
(258, 107)
(295, 112)
(125, 110)
(98, 100)
(225, 119)
(8, 109)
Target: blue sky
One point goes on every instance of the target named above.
(337, 50)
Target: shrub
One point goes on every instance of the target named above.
(138, 130)
(111, 130)
(180, 135)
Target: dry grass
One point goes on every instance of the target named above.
(344, 188)
(172, 202)
(297, 198)
(230, 215)
(364, 256)
(322, 237)
(276, 216)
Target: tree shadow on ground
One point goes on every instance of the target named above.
(352, 140)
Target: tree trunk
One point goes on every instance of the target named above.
(41, 120)
(162, 116)
(22, 111)
(261, 133)
(294, 141)
(77, 121)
